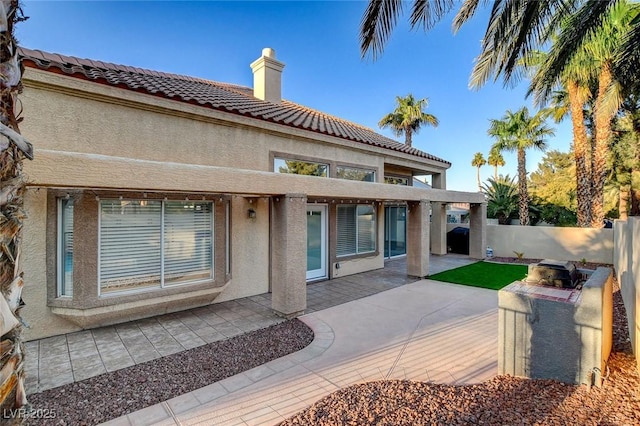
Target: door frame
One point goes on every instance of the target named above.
(322, 273)
(386, 231)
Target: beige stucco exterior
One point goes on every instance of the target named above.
(92, 139)
(541, 242)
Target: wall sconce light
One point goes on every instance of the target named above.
(251, 213)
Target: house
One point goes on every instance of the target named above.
(153, 192)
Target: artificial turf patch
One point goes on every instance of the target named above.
(483, 274)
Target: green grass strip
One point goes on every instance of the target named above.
(483, 274)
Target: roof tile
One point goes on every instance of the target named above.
(221, 96)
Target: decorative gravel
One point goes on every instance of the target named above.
(503, 400)
(111, 395)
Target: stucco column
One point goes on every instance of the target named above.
(439, 180)
(289, 255)
(418, 238)
(477, 230)
(438, 228)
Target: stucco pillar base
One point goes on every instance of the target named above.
(478, 230)
(438, 228)
(289, 255)
(418, 239)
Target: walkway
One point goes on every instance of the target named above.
(427, 330)
(59, 360)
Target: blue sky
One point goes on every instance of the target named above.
(318, 42)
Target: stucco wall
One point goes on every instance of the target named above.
(100, 119)
(627, 266)
(249, 249)
(40, 319)
(537, 242)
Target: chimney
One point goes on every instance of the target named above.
(267, 76)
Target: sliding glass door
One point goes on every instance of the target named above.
(395, 231)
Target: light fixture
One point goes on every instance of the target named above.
(251, 213)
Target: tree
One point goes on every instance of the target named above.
(496, 160)
(478, 161)
(593, 63)
(408, 117)
(514, 29)
(518, 132)
(13, 149)
(624, 154)
(573, 101)
(554, 182)
(502, 199)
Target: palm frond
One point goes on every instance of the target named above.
(378, 21)
(465, 13)
(577, 30)
(381, 16)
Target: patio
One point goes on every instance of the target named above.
(59, 360)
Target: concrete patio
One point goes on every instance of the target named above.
(426, 330)
(368, 326)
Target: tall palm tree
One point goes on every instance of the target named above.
(408, 117)
(515, 28)
(478, 161)
(496, 160)
(13, 148)
(572, 101)
(519, 131)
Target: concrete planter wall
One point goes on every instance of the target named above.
(554, 333)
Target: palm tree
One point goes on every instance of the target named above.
(572, 101)
(518, 132)
(496, 160)
(515, 28)
(408, 117)
(502, 198)
(478, 161)
(13, 148)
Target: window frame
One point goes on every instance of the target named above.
(162, 282)
(327, 165)
(391, 176)
(61, 284)
(85, 273)
(357, 252)
(356, 169)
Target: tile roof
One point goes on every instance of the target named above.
(220, 96)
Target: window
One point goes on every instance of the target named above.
(297, 167)
(396, 180)
(151, 244)
(354, 173)
(65, 248)
(356, 230)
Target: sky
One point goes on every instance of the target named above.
(319, 44)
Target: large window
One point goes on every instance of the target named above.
(298, 167)
(150, 244)
(355, 173)
(356, 230)
(65, 248)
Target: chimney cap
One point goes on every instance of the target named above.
(269, 52)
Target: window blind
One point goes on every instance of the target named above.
(149, 243)
(187, 241)
(356, 230)
(346, 238)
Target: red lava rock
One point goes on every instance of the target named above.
(503, 400)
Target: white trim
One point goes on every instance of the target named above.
(323, 272)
